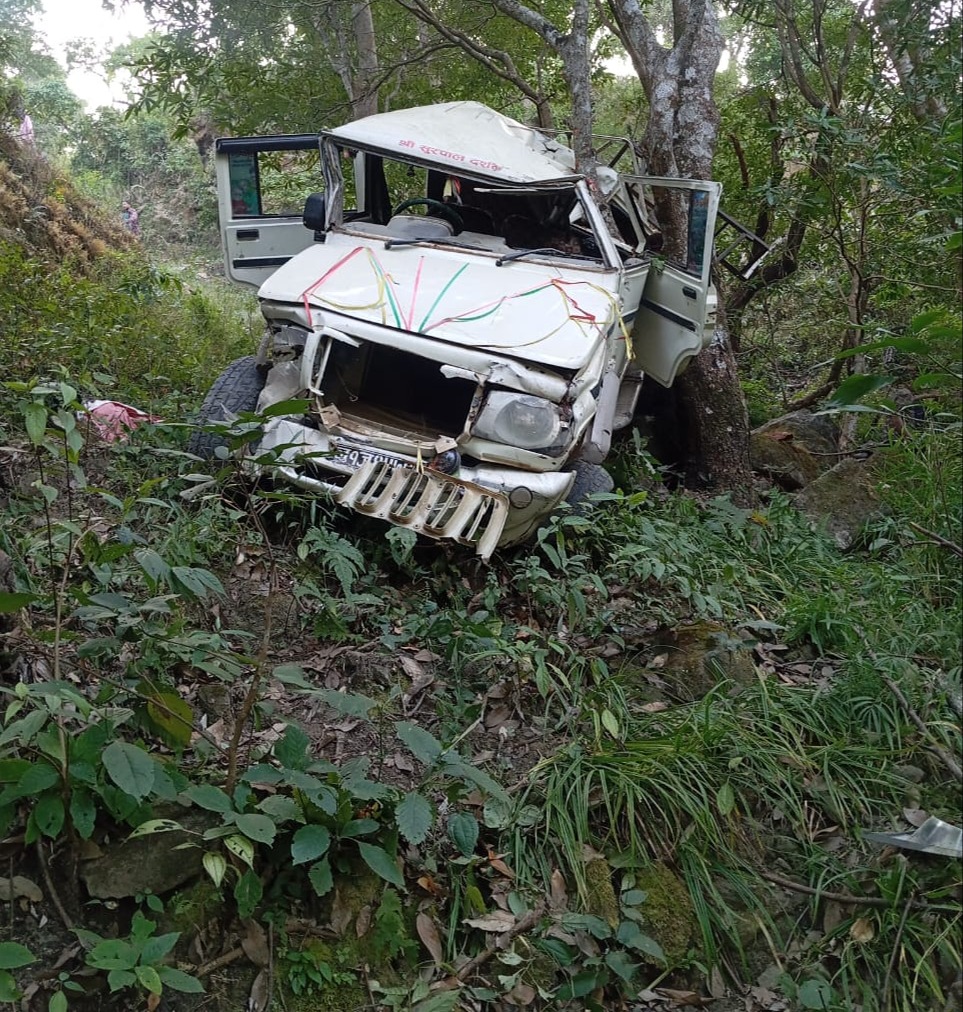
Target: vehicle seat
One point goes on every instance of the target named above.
(419, 226)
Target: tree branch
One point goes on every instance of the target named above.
(525, 924)
(860, 901)
(792, 48)
(495, 61)
(948, 761)
(956, 549)
(648, 56)
(542, 27)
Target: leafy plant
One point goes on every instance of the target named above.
(138, 961)
(308, 969)
(13, 956)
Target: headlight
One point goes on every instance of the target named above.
(518, 420)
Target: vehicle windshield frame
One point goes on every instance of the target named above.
(336, 152)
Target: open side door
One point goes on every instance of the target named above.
(676, 315)
(262, 183)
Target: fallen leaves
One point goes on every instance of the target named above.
(497, 921)
(260, 996)
(558, 892)
(430, 937)
(862, 930)
(255, 944)
(19, 887)
(497, 864)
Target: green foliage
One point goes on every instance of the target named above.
(130, 326)
(138, 961)
(850, 180)
(13, 955)
(31, 80)
(225, 60)
(117, 157)
(931, 367)
(706, 774)
(312, 968)
(123, 582)
(390, 938)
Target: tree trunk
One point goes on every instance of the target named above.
(716, 420)
(350, 40)
(680, 140)
(365, 100)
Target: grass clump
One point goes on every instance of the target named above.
(784, 774)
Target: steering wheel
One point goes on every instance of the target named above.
(445, 211)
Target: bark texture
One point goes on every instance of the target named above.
(348, 33)
(680, 140)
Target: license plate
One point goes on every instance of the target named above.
(354, 456)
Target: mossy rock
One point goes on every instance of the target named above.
(600, 898)
(346, 991)
(668, 915)
(334, 998)
(699, 655)
(795, 449)
(191, 909)
(845, 499)
(371, 931)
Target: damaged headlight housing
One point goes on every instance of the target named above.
(515, 419)
(287, 343)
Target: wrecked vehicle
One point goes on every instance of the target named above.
(468, 318)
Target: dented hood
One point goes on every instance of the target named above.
(551, 316)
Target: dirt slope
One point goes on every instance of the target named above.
(42, 211)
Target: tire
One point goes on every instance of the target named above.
(589, 478)
(235, 390)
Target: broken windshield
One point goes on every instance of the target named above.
(411, 204)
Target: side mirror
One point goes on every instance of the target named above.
(314, 212)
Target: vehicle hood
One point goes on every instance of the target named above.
(536, 312)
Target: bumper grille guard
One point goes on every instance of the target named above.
(429, 502)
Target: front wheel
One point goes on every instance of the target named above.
(589, 478)
(235, 390)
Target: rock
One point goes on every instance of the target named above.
(700, 655)
(911, 773)
(843, 500)
(795, 449)
(149, 864)
(600, 898)
(667, 914)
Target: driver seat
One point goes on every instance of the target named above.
(419, 226)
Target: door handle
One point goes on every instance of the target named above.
(689, 293)
(248, 234)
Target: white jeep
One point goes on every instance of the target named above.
(469, 334)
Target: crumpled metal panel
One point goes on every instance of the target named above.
(429, 502)
(934, 836)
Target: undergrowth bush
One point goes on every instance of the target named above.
(780, 775)
(772, 771)
(126, 330)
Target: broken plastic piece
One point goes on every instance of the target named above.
(934, 837)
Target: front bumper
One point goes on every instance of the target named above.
(484, 507)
